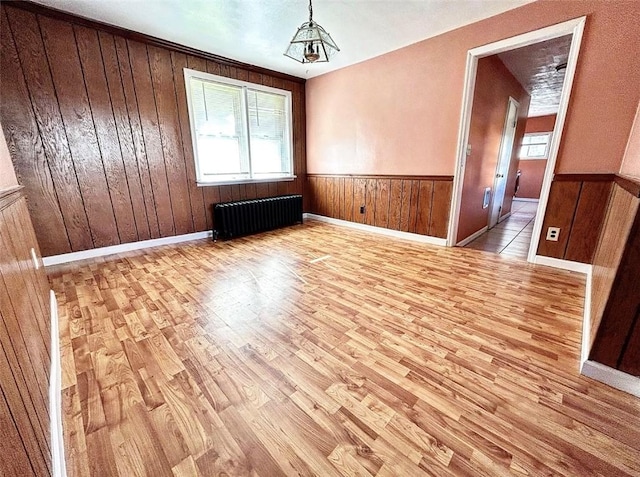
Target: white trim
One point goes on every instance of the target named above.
(498, 176)
(524, 199)
(574, 27)
(586, 319)
(472, 237)
(612, 377)
(55, 395)
(634, 127)
(562, 264)
(556, 136)
(598, 371)
(504, 217)
(245, 85)
(125, 247)
(378, 230)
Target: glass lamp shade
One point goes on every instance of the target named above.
(311, 44)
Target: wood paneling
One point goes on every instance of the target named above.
(587, 222)
(25, 338)
(389, 358)
(578, 207)
(96, 120)
(615, 306)
(411, 204)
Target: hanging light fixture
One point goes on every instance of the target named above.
(311, 43)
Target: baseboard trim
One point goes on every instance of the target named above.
(55, 394)
(504, 217)
(562, 264)
(524, 199)
(379, 230)
(611, 377)
(125, 247)
(472, 237)
(586, 320)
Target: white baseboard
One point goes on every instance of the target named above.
(504, 217)
(562, 264)
(379, 230)
(586, 320)
(125, 247)
(524, 199)
(612, 377)
(55, 395)
(472, 237)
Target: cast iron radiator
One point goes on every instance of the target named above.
(245, 217)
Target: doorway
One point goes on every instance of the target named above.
(504, 162)
(575, 29)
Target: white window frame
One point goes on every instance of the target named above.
(534, 158)
(245, 85)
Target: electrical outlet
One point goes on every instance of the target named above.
(362, 209)
(553, 234)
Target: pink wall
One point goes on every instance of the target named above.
(631, 164)
(399, 113)
(532, 171)
(7, 175)
(494, 85)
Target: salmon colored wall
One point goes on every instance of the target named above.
(540, 124)
(494, 85)
(531, 177)
(532, 171)
(399, 113)
(631, 163)
(7, 175)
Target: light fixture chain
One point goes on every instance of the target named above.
(310, 11)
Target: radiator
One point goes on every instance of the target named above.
(245, 217)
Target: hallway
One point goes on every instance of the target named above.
(512, 236)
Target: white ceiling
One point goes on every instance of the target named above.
(258, 31)
(534, 66)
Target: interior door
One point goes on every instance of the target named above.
(504, 161)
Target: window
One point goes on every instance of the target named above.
(535, 146)
(241, 131)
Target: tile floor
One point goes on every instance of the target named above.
(512, 236)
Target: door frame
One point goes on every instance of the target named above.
(500, 154)
(573, 27)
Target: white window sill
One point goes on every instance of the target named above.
(246, 181)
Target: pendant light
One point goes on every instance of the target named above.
(311, 43)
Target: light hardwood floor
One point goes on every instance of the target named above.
(263, 356)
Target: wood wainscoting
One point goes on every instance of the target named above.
(96, 119)
(25, 339)
(615, 303)
(416, 204)
(577, 204)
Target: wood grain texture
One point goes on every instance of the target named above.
(99, 133)
(25, 338)
(588, 220)
(616, 343)
(400, 203)
(621, 211)
(358, 364)
(68, 80)
(52, 136)
(561, 209)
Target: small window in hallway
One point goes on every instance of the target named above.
(535, 146)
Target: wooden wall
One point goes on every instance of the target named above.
(96, 120)
(25, 337)
(615, 302)
(577, 204)
(411, 203)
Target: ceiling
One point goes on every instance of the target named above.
(258, 31)
(534, 66)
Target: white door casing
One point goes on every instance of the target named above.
(504, 162)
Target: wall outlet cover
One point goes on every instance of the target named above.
(553, 234)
